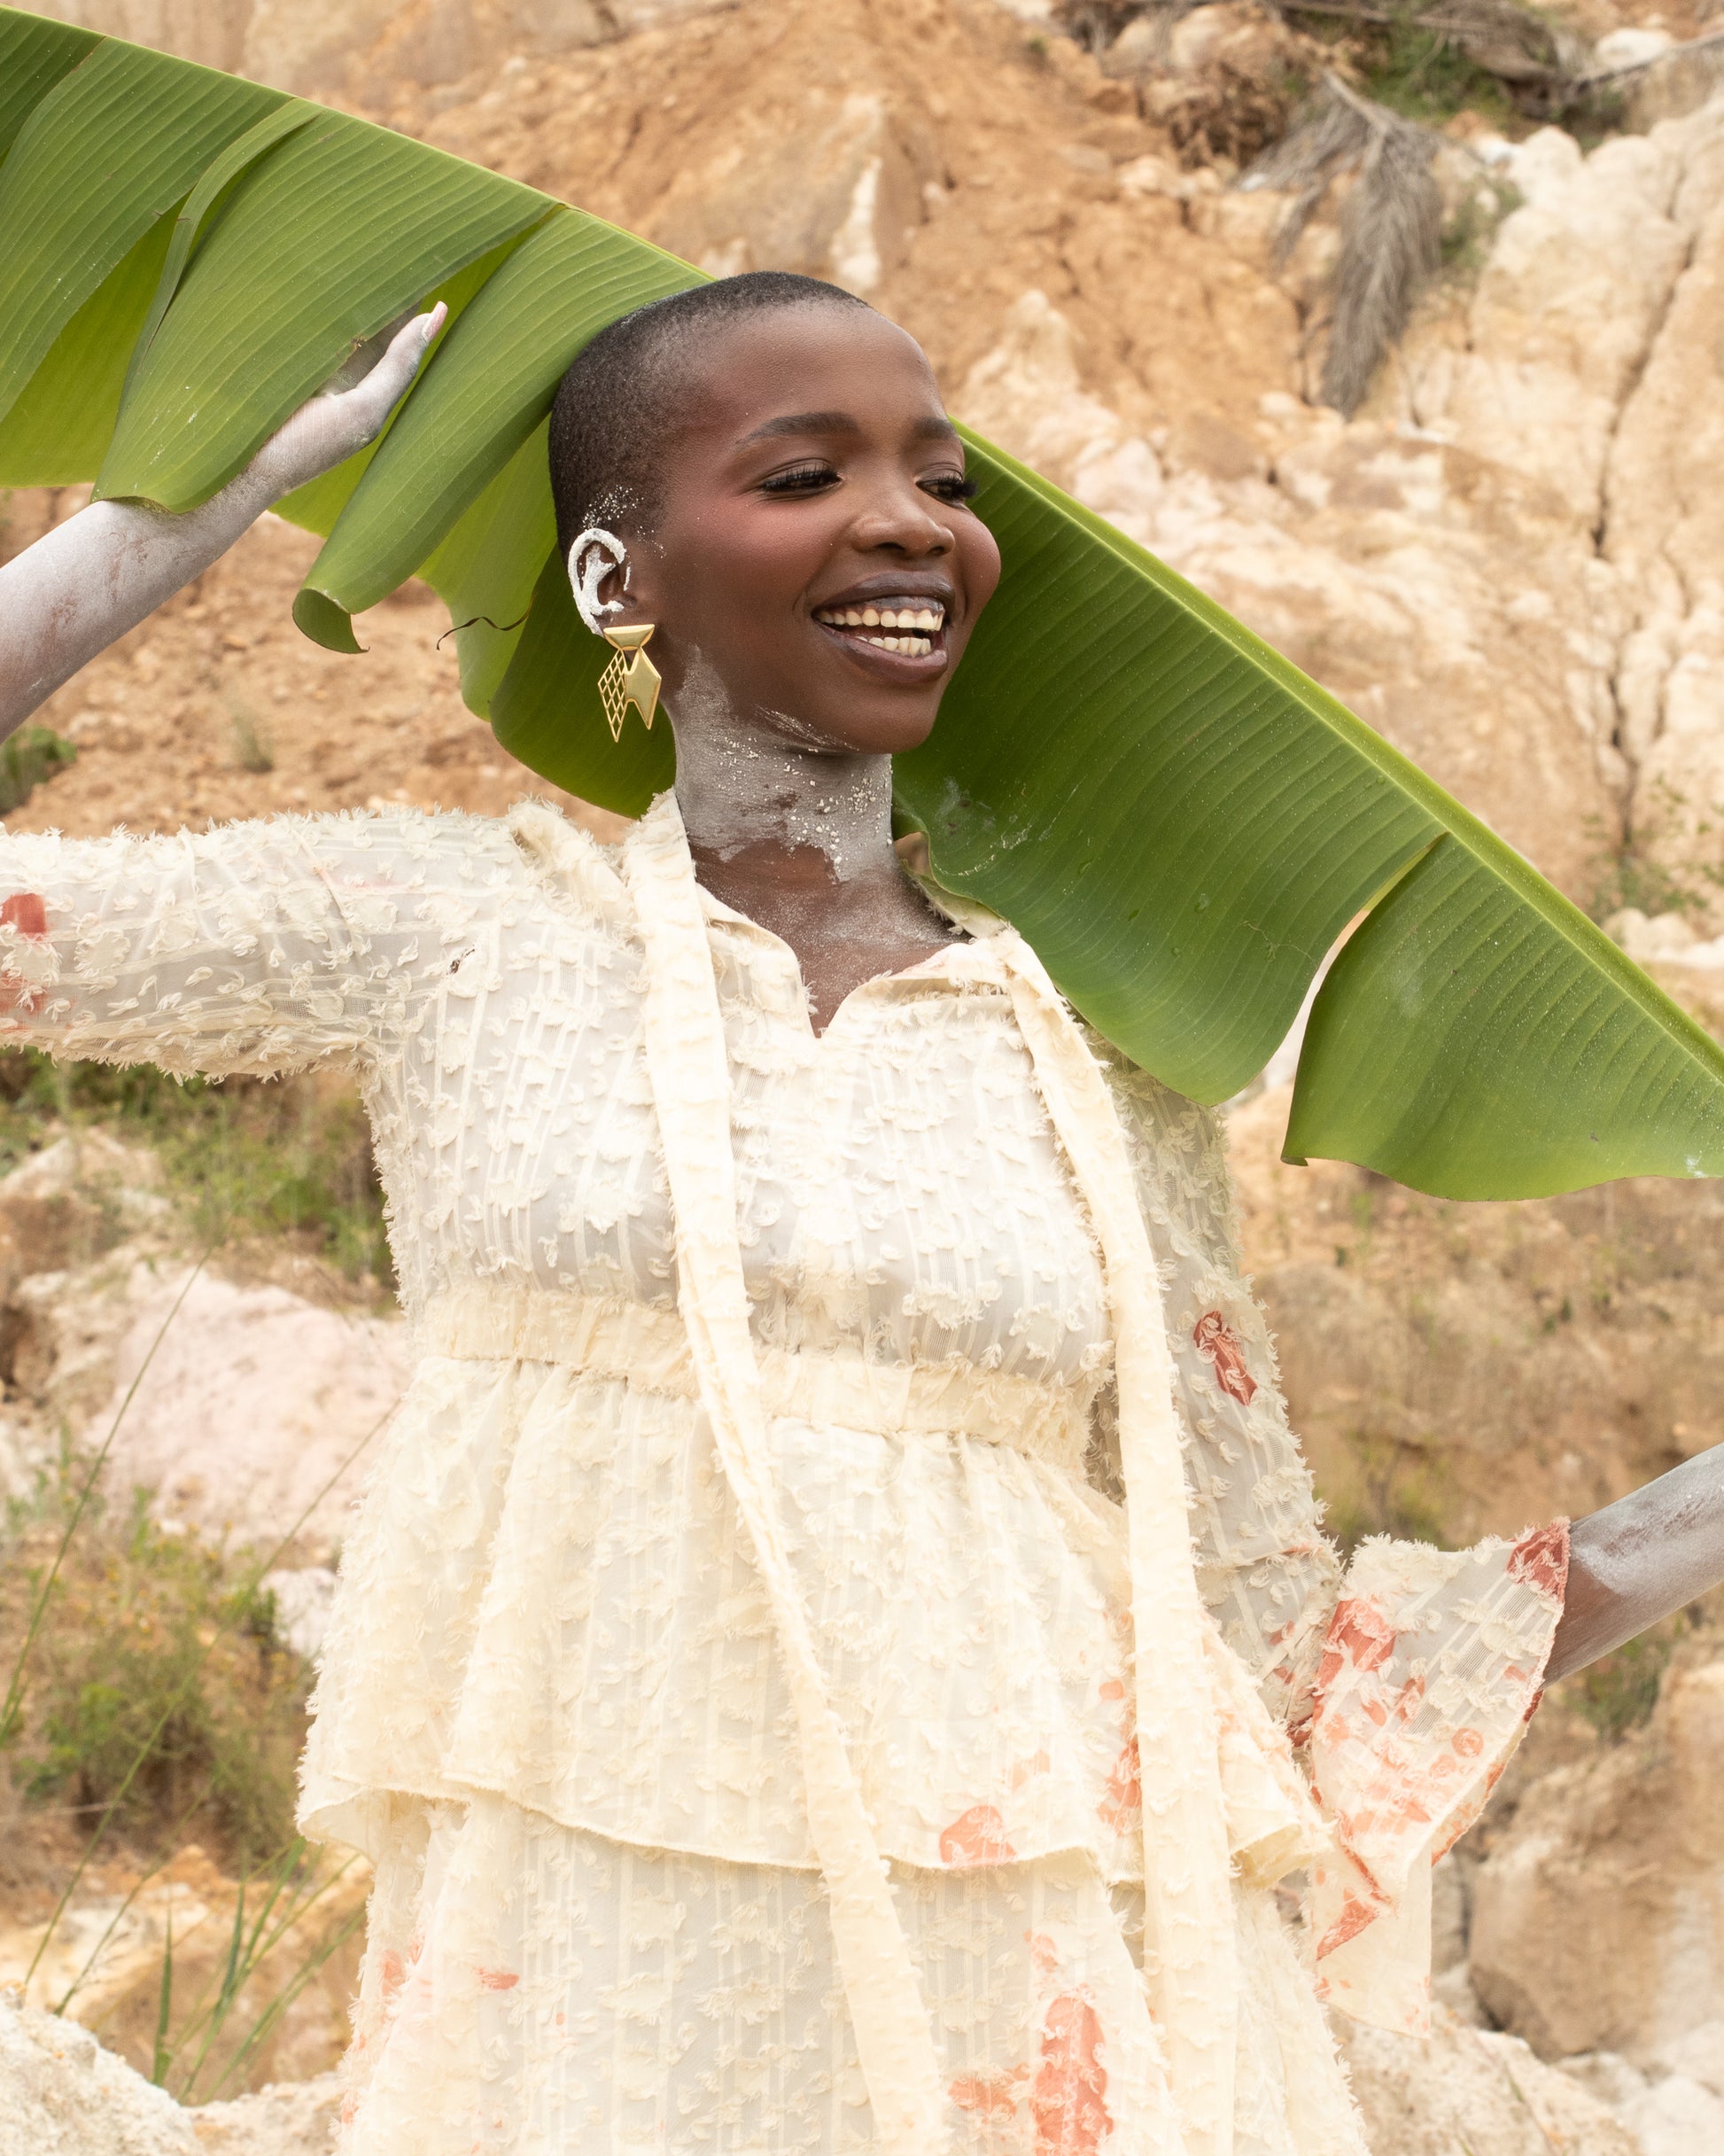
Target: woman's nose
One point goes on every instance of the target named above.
(903, 521)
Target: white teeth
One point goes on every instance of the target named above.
(900, 617)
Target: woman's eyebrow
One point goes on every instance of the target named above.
(933, 428)
(804, 423)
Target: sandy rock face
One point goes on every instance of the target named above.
(1598, 1918)
(1469, 2089)
(1510, 562)
(246, 1409)
(253, 1406)
(1565, 311)
(1664, 533)
(316, 46)
(62, 2095)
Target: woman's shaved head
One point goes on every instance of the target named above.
(617, 407)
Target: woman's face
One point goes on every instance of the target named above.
(814, 491)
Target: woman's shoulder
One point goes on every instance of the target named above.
(533, 856)
(1179, 1149)
(530, 845)
(582, 873)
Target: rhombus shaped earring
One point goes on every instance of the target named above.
(630, 678)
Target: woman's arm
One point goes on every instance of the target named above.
(1639, 1560)
(95, 576)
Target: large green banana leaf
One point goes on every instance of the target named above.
(1179, 820)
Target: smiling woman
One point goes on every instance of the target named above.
(840, 1650)
(794, 521)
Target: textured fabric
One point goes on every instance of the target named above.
(553, 1702)
(684, 1035)
(1190, 1963)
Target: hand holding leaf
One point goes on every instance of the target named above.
(348, 413)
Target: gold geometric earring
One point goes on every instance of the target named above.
(635, 682)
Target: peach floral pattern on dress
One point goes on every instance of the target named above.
(1217, 1339)
(1068, 2100)
(1429, 1669)
(26, 915)
(975, 1837)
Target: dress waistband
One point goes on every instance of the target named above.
(649, 1347)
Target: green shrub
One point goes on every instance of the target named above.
(157, 1683)
(1618, 1693)
(28, 757)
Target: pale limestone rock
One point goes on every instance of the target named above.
(289, 2118)
(835, 190)
(1453, 602)
(1678, 83)
(1027, 395)
(1665, 939)
(1631, 47)
(1664, 532)
(1465, 2088)
(62, 2095)
(1598, 1916)
(1564, 313)
(251, 1420)
(1673, 2115)
(248, 1400)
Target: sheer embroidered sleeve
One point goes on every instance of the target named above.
(259, 947)
(1406, 1676)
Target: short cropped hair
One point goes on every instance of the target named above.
(613, 411)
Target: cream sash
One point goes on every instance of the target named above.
(1199, 1721)
(685, 1045)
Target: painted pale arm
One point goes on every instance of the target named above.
(92, 578)
(1641, 1558)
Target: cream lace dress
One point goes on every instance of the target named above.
(732, 1677)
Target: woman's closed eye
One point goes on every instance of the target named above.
(800, 479)
(815, 478)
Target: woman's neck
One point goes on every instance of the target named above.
(800, 841)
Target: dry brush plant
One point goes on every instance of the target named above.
(1391, 224)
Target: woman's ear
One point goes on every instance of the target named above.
(598, 576)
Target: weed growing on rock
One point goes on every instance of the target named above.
(28, 759)
(158, 1688)
(245, 1156)
(1426, 74)
(1616, 1694)
(1470, 228)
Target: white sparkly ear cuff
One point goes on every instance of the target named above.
(591, 559)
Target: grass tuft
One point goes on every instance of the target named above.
(158, 1686)
(245, 1156)
(28, 759)
(1618, 1693)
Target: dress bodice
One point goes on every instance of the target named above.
(899, 1188)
